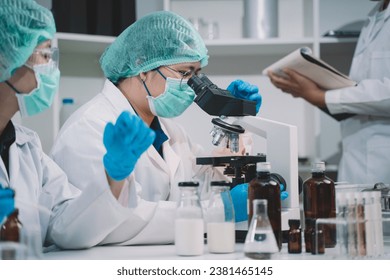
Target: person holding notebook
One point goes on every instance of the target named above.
(366, 133)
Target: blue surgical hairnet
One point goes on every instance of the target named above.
(23, 25)
(157, 39)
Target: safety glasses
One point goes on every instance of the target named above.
(44, 56)
(185, 75)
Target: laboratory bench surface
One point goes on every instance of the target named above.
(167, 252)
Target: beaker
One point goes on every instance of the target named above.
(260, 241)
(220, 219)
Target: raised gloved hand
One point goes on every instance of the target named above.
(240, 200)
(125, 142)
(7, 202)
(245, 90)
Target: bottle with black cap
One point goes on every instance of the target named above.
(189, 225)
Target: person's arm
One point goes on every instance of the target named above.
(124, 141)
(115, 186)
(299, 86)
(369, 97)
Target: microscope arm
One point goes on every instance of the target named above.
(282, 153)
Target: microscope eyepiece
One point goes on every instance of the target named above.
(199, 82)
(216, 101)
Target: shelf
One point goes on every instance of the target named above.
(240, 47)
(83, 43)
(331, 40)
(96, 44)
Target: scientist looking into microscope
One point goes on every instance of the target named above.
(366, 134)
(147, 68)
(50, 209)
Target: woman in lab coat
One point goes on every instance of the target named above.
(146, 67)
(365, 135)
(50, 209)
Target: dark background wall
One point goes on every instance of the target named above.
(100, 17)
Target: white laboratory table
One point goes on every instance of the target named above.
(167, 252)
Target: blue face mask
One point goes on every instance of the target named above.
(176, 98)
(41, 98)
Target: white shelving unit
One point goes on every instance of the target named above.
(301, 23)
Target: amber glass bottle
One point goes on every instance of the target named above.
(319, 201)
(294, 237)
(10, 231)
(307, 234)
(263, 187)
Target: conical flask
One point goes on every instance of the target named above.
(260, 241)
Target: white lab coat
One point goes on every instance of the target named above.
(366, 136)
(151, 190)
(50, 209)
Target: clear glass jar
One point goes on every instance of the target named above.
(189, 224)
(220, 219)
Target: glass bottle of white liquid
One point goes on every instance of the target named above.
(189, 227)
(220, 219)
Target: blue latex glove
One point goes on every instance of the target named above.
(240, 200)
(125, 142)
(245, 90)
(7, 202)
(283, 193)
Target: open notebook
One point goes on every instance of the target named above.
(324, 75)
(303, 62)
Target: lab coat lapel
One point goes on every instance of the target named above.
(4, 179)
(171, 161)
(371, 31)
(171, 158)
(158, 160)
(14, 165)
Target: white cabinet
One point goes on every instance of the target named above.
(301, 23)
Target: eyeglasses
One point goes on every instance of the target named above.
(43, 56)
(184, 74)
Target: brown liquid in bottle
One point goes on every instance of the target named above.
(262, 187)
(10, 231)
(307, 234)
(294, 237)
(319, 201)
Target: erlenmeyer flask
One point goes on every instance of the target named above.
(260, 241)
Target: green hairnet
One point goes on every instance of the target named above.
(160, 38)
(23, 25)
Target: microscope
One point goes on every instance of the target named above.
(236, 116)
